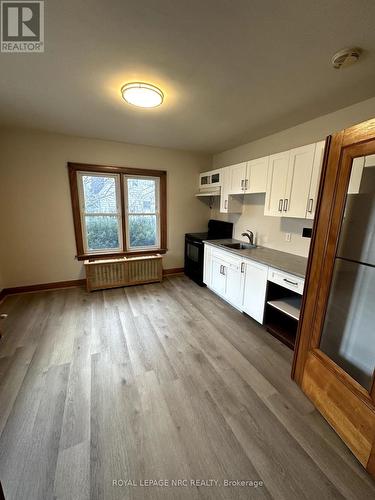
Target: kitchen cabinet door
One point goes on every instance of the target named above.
(298, 181)
(254, 292)
(207, 265)
(234, 284)
(218, 277)
(229, 204)
(315, 178)
(237, 176)
(276, 183)
(224, 193)
(256, 178)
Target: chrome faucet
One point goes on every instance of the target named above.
(250, 235)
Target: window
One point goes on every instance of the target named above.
(100, 208)
(142, 212)
(118, 211)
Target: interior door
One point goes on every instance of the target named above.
(276, 183)
(335, 351)
(298, 182)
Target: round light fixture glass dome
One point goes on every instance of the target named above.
(141, 94)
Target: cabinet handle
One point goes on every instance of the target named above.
(286, 205)
(223, 270)
(242, 267)
(290, 282)
(225, 204)
(242, 184)
(311, 204)
(280, 205)
(246, 182)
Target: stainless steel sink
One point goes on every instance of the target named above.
(239, 246)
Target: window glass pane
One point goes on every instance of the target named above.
(348, 334)
(141, 196)
(99, 194)
(142, 230)
(102, 232)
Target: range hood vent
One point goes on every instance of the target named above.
(213, 191)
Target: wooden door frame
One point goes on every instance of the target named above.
(319, 377)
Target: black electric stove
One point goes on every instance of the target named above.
(194, 247)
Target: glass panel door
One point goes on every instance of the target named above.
(348, 336)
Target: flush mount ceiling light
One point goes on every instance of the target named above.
(142, 94)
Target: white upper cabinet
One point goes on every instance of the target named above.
(292, 183)
(210, 179)
(256, 175)
(298, 181)
(276, 183)
(315, 178)
(228, 204)
(237, 177)
(249, 177)
(289, 179)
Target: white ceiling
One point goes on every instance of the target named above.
(231, 70)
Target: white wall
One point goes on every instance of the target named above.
(272, 230)
(38, 244)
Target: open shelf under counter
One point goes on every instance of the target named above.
(288, 305)
(282, 313)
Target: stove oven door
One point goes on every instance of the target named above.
(194, 251)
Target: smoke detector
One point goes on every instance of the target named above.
(345, 57)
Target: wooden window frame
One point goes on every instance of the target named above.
(74, 168)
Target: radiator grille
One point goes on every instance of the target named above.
(121, 272)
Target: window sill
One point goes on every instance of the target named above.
(88, 256)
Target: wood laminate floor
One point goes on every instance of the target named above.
(157, 382)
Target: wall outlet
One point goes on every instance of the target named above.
(288, 236)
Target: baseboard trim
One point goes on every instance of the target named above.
(43, 286)
(173, 271)
(65, 284)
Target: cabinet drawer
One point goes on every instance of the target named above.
(229, 259)
(286, 280)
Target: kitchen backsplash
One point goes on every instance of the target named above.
(270, 231)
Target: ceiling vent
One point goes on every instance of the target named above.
(345, 58)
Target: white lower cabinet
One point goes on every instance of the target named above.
(207, 265)
(218, 276)
(226, 277)
(255, 287)
(234, 285)
(242, 282)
